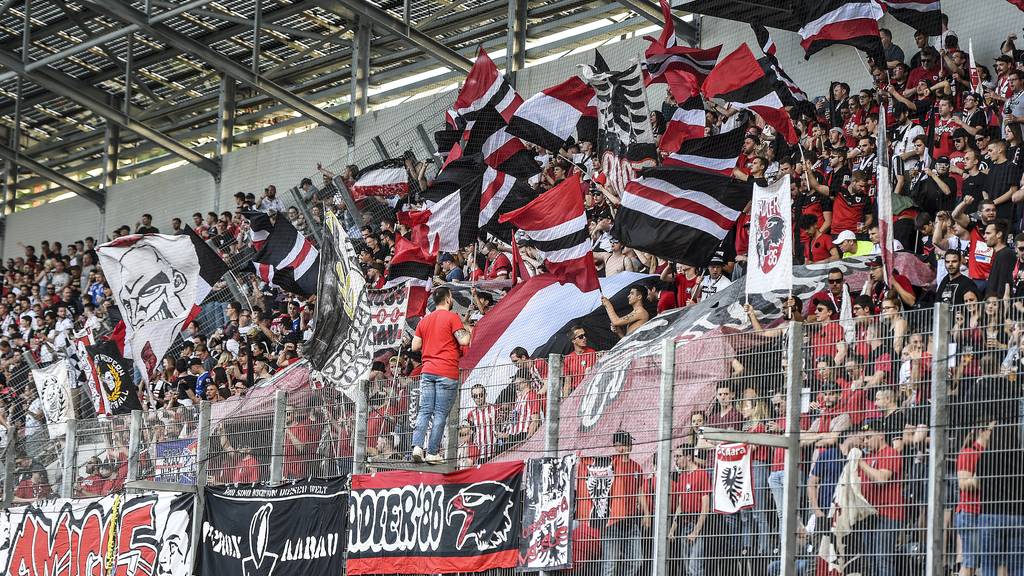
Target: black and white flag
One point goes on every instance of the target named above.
(158, 282)
(53, 384)
(288, 260)
(112, 387)
(545, 541)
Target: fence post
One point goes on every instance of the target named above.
(69, 463)
(202, 455)
(661, 484)
(554, 405)
(10, 465)
(937, 452)
(277, 436)
(300, 203)
(359, 440)
(791, 489)
(134, 445)
(350, 202)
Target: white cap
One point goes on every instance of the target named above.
(844, 236)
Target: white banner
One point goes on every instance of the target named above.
(137, 535)
(387, 316)
(770, 248)
(733, 482)
(54, 387)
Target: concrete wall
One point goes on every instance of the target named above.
(283, 162)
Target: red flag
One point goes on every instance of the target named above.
(740, 80)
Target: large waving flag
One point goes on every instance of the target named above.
(501, 193)
(488, 135)
(782, 14)
(158, 282)
(687, 123)
(679, 215)
(288, 260)
(740, 80)
(785, 86)
(850, 22)
(385, 178)
(682, 68)
(718, 153)
(556, 222)
(550, 117)
(411, 265)
(486, 87)
(452, 207)
(923, 15)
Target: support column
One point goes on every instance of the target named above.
(361, 69)
(277, 436)
(134, 445)
(663, 480)
(515, 55)
(937, 451)
(226, 116)
(554, 405)
(10, 465)
(360, 433)
(202, 456)
(257, 24)
(69, 462)
(791, 489)
(111, 153)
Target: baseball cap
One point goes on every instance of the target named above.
(873, 425)
(942, 160)
(875, 262)
(844, 236)
(1004, 58)
(446, 258)
(717, 258)
(961, 133)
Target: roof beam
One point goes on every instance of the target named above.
(382, 19)
(228, 66)
(57, 178)
(64, 86)
(652, 13)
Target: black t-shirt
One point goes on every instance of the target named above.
(147, 230)
(184, 384)
(974, 186)
(1001, 272)
(931, 198)
(1002, 177)
(951, 291)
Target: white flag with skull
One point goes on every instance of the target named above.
(158, 282)
(53, 384)
(733, 482)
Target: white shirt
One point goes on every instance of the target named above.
(31, 424)
(710, 287)
(906, 142)
(271, 204)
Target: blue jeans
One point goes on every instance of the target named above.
(1002, 543)
(970, 537)
(620, 546)
(880, 542)
(436, 396)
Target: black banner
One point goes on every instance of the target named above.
(115, 391)
(421, 523)
(545, 542)
(257, 530)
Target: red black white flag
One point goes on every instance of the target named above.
(782, 14)
(452, 207)
(501, 193)
(740, 80)
(682, 68)
(486, 87)
(550, 117)
(923, 15)
(785, 86)
(850, 22)
(288, 260)
(1017, 3)
(718, 153)
(764, 40)
(687, 123)
(556, 224)
(487, 134)
(158, 282)
(386, 178)
(412, 265)
(680, 215)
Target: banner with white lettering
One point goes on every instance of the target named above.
(176, 461)
(53, 384)
(290, 530)
(545, 541)
(426, 523)
(145, 534)
(734, 480)
(770, 248)
(387, 316)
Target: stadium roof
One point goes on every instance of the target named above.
(202, 70)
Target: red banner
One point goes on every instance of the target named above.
(424, 523)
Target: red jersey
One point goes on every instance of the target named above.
(970, 501)
(943, 145)
(930, 75)
(440, 348)
(500, 264)
(886, 496)
(956, 160)
(979, 255)
(485, 422)
(686, 289)
(523, 412)
(626, 487)
(294, 461)
(247, 471)
(848, 211)
(823, 342)
(577, 364)
(819, 249)
(692, 486)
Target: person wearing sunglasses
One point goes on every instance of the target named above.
(833, 294)
(579, 362)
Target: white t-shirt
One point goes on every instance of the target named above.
(709, 286)
(31, 424)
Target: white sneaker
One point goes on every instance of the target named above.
(417, 454)
(434, 459)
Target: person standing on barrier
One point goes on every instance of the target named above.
(439, 337)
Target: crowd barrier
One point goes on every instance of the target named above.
(919, 396)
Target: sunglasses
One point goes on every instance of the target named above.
(478, 395)
(579, 336)
(835, 280)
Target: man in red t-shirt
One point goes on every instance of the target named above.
(691, 503)
(819, 247)
(498, 265)
(881, 474)
(578, 362)
(439, 338)
(299, 441)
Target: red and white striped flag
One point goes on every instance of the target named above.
(687, 123)
(850, 22)
(550, 117)
(485, 86)
(682, 68)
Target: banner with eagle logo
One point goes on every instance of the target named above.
(53, 384)
(770, 248)
(545, 541)
(733, 481)
(426, 523)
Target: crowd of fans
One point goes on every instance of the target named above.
(956, 164)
